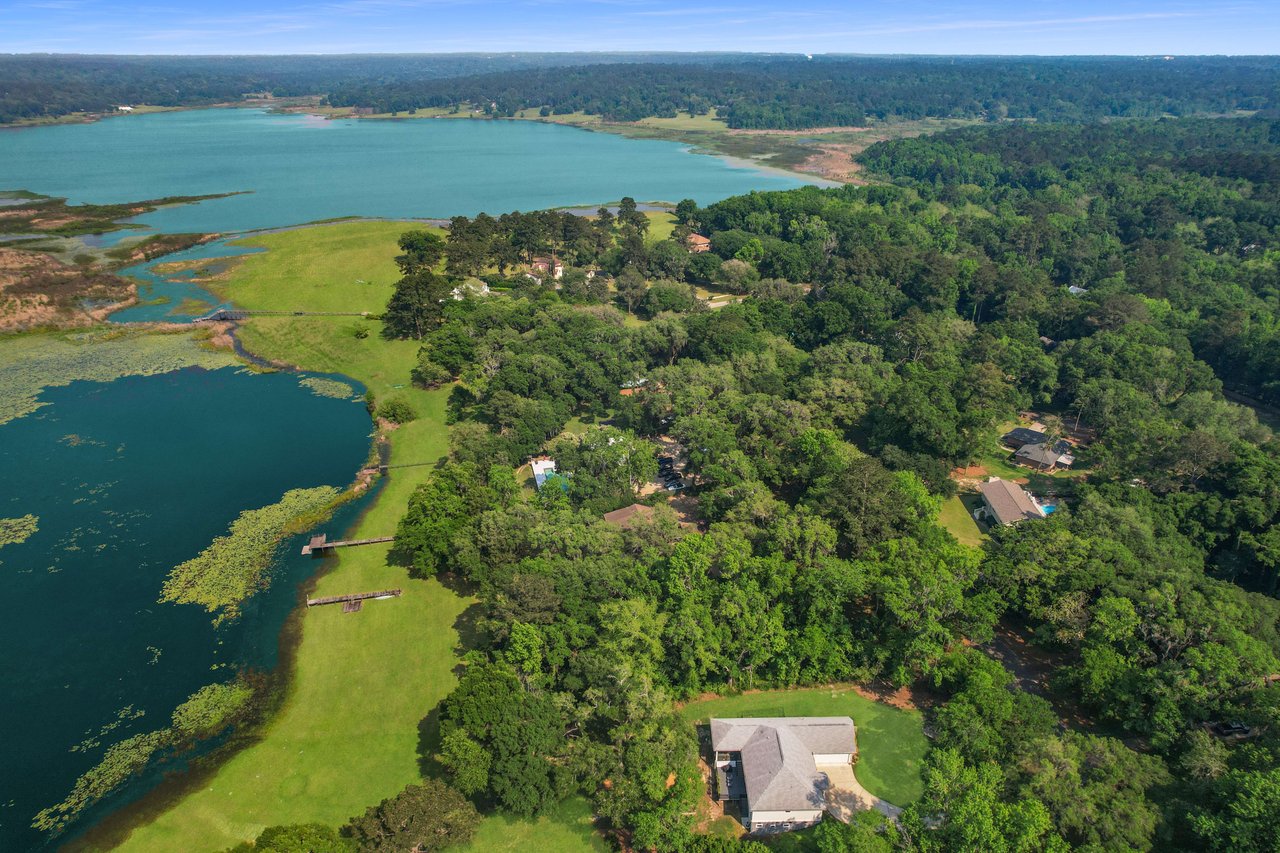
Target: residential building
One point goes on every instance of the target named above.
(542, 469)
(547, 265)
(629, 516)
(1016, 438)
(697, 244)
(1008, 503)
(772, 766)
(1045, 457)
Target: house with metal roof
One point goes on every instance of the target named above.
(1022, 436)
(1008, 503)
(1045, 457)
(772, 766)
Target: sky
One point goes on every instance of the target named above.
(1049, 27)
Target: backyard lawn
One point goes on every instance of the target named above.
(956, 516)
(891, 742)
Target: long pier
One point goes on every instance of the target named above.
(352, 601)
(222, 314)
(320, 543)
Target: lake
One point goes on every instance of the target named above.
(128, 479)
(299, 168)
(132, 477)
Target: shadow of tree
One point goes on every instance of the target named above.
(429, 744)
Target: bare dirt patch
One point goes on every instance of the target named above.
(36, 290)
(835, 163)
(810, 131)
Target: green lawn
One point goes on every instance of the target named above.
(891, 742)
(957, 517)
(661, 224)
(343, 266)
(565, 829)
(348, 733)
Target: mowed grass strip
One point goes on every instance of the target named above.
(348, 733)
(891, 742)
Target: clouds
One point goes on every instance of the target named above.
(820, 26)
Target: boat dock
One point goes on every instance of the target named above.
(352, 602)
(320, 544)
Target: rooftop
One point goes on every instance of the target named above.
(629, 516)
(778, 768)
(1009, 502)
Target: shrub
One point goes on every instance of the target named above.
(397, 410)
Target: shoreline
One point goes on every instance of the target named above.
(115, 827)
(298, 703)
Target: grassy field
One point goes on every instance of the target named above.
(348, 733)
(891, 742)
(958, 518)
(566, 828)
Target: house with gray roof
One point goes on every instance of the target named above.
(1045, 456)
(772, 766)
(1008, 503)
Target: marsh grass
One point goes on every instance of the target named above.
(15, 531)
(236, 566)
(29, 363)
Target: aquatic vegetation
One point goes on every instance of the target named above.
(30, 363)
(325, 387)
(207, 712)
(15, 531)
(210, 709)
(235, 566)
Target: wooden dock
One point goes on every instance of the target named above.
(351, 602)
(320, 544)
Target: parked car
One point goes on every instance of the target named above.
(677, 486)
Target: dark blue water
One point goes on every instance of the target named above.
(128, 479)
(300, 168)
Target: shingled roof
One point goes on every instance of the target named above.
(777, 757)
(1009, 502)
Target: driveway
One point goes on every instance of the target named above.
(845, 795)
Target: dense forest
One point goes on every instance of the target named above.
(748, 90)
(887, 333)
(47, 85)
(832, 91)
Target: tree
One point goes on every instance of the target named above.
(417, 305)
(397, 410)
(687, 212)
(631, 287)
(427, 374)
(422, 251)
(298, 838)
(426, 817)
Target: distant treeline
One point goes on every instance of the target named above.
(749, 90)
(48, 85)
(800, 93)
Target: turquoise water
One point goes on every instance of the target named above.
(132, 477)
(162, 297)
(128, 479)
(302, 168)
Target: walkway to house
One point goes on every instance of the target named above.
(845, 794)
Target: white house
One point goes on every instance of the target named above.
(772, 766)
(542, 469)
